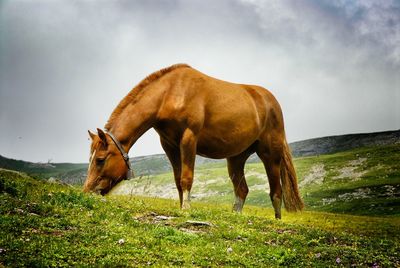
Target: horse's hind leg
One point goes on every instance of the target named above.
(272, 163)
(236, 173)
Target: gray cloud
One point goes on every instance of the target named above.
(64, 65)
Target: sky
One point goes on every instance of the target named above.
(334, 66)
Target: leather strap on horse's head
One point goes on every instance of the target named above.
(123, 153)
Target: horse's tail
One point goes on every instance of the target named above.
(290, 190)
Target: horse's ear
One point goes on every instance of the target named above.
(92, 135)
(102, 135)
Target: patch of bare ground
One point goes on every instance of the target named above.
(153, 218)
(386, 191)
(350, 170)
(316, 175)
(189, 226)
(163, 191)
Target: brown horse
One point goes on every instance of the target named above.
(197, 114)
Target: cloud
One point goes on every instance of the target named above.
(65, 65)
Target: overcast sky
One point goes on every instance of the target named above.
(64, 65)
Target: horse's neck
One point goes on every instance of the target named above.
(136, 119)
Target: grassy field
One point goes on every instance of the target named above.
(44, 225)
(363, 181)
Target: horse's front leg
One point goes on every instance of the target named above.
(174, 155)
(188, 154)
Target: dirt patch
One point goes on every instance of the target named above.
(163, 191)
(316, 175)
(129, 188)
(189, 226)
(154, 218)
(385, 191)
(195, 227)
(350, 170)
(360, 193)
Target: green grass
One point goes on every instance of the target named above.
(51, 225)
(379, 179)
(371, 185)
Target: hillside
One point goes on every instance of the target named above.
(158, 164)
(67, 172)
(334, 144)
(50, 225)
(364, 181)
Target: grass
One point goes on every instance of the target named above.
(377, 176)
(51, 225)
(363, 181)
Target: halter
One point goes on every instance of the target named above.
(123, 153)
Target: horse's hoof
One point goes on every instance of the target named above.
(237, 208)
(185, 206)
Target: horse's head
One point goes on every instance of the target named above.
(107, 165)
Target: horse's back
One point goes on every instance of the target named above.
(228, 117)
(240, 101)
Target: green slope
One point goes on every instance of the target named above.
(364, 181)
(44, 225)
(158, 164)
(67, 172)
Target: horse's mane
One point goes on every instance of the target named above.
(137, 89)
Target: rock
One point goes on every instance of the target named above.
(52, 180)
(19, 211)
(163, 218)
(199, 223)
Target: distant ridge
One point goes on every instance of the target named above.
(334, 144)
(157, 164)
(69, 173)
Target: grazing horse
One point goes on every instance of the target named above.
(196, 114)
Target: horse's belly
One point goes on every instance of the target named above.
(229, 135)
(224, 146)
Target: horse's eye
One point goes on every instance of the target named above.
(100, 161)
